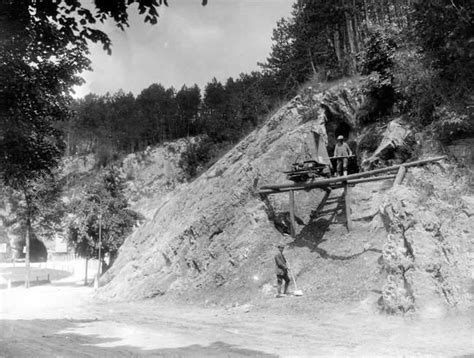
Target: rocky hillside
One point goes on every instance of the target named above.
(213, 240)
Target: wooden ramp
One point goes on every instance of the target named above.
(396, 172)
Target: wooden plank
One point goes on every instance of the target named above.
(326, 187)
(364, 180)
(347, 202)
(400, 175)
(326, 182)
(292, 213)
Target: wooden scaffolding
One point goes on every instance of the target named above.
(396, 172)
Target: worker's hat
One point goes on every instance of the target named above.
(340, 137)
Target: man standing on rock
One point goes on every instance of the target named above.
(342, 152)
(281, 271)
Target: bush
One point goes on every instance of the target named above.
(378, 52)
(428, 100)
(196, 155)
(380, 98)
(377, 61)
(449, 124)
(105, 155)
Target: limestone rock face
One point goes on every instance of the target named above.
(216, 230)
(426, 254)
(214, 239)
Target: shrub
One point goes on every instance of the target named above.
(194, 158)
(377, 61)
(378, 52)
(105, 155)
(449, 124)
(380, 98)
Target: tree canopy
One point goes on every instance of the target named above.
(43, 49)
(101, 207)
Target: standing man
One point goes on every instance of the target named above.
(281, 271)
(342, 152)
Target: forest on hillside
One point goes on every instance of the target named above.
(417, 58)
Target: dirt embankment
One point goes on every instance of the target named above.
(213, 240)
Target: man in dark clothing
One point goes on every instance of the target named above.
(342, 152)
(281, 271)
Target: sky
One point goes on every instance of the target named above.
(190, 44)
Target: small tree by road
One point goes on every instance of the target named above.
(99, 220)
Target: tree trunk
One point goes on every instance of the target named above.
(85, 277)
(366, 13)
(312, 62)
(27, 254)
(337, 45)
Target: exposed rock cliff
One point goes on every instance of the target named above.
(214, 238)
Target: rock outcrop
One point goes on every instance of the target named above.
(216, 230)
(425, 255)
(213, 239)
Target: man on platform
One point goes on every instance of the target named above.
(342, 152)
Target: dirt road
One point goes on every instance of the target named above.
(64, 320)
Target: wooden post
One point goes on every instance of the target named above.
(400, 175)
(292, 213)
(347, 201)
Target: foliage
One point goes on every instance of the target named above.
(450, 124)
(444, 30)
(196, 155)
(41, 210)
(102, 206)
(120, 122)
(300, 46)
(322, 38)
(378, 52)
(377, 61)
(434, 77)
(43, 48)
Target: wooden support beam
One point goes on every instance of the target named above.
(327, 187)
(326, 182)
(400, 175)
(292, 214)
(364, 180)
(347, 202)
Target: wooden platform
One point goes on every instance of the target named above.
(396, 172)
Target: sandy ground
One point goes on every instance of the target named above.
(65, 320)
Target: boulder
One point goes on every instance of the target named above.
(393, 149)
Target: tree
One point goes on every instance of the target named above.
(43, 48)
(444, 30)
(213, 111)
(322, 38)
(157, 108)
(188, 101)
(100, 220)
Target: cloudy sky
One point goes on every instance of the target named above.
(190, 44)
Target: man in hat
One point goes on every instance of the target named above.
(281, 271)
(342, 152)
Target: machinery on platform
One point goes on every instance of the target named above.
(307, 170)
(311, 169)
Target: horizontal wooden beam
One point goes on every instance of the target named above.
(327, 182)
(326, 187)
(364, 180)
